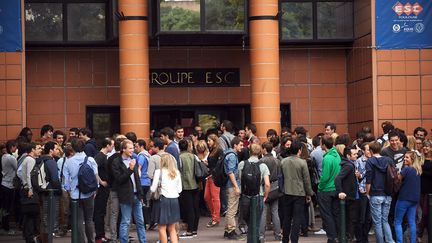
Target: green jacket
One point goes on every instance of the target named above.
(331, 168)
(188, 171)
(296, 177)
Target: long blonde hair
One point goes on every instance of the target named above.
(417, 161)
(168, 163)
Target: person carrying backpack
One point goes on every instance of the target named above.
(80, 176)
(232, 188)
(255, 182)
(380, 200)
(50, 150)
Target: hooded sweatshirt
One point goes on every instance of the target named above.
(330, 170)
(90, 148)
(376, 171)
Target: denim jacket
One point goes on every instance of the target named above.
(231, 166)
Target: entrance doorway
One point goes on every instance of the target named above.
(104, 121)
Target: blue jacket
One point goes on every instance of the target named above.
(376, 171)
(231, 166)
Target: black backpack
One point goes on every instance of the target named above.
(219, 176)
(87, 181)
(251, 178)
(38, 176)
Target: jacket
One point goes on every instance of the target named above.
(331, 168)
(376, 172)
(90, 148)
(51, 172)
(122, 183)
(346, 181)
(296, 177)
(273, 165)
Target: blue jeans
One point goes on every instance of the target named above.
(409, 208)
(126, 215)
(380, 207)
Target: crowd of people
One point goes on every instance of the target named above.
(172, 180)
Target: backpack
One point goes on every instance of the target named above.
(87, 181)
(219, 176)
(17, 182)
(251, 178)
(392, 182)
(38, 177)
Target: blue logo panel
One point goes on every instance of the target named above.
(10, 26)
(403, 24)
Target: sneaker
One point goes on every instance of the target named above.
(371, 232)
(194, 233)
(186, 235)
(278, 237)
(234, 236)
(320, 232)
(212, 224)
(10, 232)
(243, 230)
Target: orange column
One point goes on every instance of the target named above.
(134, 68)
(264, 61)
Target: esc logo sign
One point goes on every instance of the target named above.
(407, 9)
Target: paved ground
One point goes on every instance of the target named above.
(205, 235)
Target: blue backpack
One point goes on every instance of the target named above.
(87, 181)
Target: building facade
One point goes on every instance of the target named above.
(133, 65)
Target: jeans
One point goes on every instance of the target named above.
(126, 215)
(190, 206)
(380, 207)
(114, 214)
(364, 219)
(211, 196)
(232, 206)
(409, 208)
(6, 204)
(274, 208)
(292, 208)
(85, 215)
(101, 200)
(329, 209)
(424, 215)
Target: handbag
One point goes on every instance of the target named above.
(200, 169)
(274, 193)
(156, 194)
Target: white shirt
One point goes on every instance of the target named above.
(170, 188)
(132, 176)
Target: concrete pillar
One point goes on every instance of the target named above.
(264, 61)
(134, 68)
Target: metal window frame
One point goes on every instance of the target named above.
(110, 38)
(202, 30)
(315, 39)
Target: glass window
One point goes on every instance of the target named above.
(224, 15)
(44, 21)
(86, 22)
(335, 20)
(297, 20)
(180, 15)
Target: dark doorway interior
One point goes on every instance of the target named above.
(105, 120)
